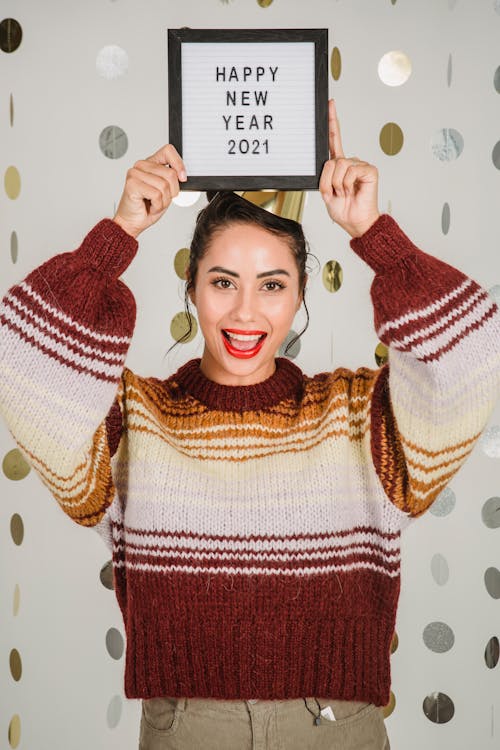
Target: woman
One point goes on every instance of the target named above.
(254, 513)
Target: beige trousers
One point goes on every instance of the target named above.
(212, 724)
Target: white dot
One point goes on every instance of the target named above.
(490, 441)
(186, 198)
(111, 62)
(394, 68)
(114, 711)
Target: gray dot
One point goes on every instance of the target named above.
(14, 247)
(438, 637)
(447, 144)
(294, 350)
(445, 218)
(492, 582)
(495, 155)
(113, 142)
(496, 5)
(496, 79)
(114, 712)
(490, 513)
(495, 293)
(439, 569)
(438, 707)
(114, 643)
(106, 575)
(444, 503)
(492, 652)
(111, 62)
(490, 441)
(449, 70)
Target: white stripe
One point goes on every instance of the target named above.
(425, 311)
(259, 571)
(92, 365)
(439, 341)
(66, 318)
(256, 556)
(57, 332)
(428, 332)
(355, 539)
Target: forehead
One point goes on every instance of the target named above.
(248, 245)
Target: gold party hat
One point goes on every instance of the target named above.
(289, 204)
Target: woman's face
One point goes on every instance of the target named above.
(246, 296)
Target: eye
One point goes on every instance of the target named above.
(222, 283)
(273, 286)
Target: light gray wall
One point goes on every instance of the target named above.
(61, 104)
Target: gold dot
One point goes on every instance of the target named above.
(389, 207)
(17, 529)
(15, 466)
(181, 262)
(16, 667)
(394, 643)
(17, 600)
(336, 64)
(12, 181)
(264, 3)
(391, 139)
(332, 276)
(179, 327)
(381, 354)
(15, 731)
(387, 710)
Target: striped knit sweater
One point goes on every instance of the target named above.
(255, 530)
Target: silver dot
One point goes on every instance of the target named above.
(496, 79)
(113, 142)
(445, 218)
(492, 582)
(111, 62)
(438, 637)
(294, 350)
(438, 707)
(114, 643)
(447, 144)
(495, 293)
(444, 503)
(106, 575)
(490, 513)
(492, 652)
(496, 5)
(114, 712)
(495, 154)
(439, 569)
(449, 70)
(490, 441)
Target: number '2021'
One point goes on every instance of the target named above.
(243, 146)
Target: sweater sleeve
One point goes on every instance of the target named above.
(439, 388)
(64, 335)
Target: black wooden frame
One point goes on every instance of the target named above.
(319, 37)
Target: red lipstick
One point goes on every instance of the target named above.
(243, 344)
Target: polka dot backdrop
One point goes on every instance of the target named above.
(98, 96)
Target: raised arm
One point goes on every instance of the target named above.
(435, 396)
(64, 335)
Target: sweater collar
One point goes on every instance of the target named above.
(284, 384)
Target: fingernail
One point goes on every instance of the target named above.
(183, 175)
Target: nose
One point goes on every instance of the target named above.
(244, 306)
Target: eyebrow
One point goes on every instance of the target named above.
(275, 272)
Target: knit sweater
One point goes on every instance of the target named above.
(255, 530)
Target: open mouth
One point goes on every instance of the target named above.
(243, 344)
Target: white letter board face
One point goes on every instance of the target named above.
(249, 108)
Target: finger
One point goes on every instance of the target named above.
(168, 154)
(157, 174)
(361, 172)
(334, 139)
(159, 199)
(341, 167)
(325, 181)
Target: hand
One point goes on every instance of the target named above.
(149, 188)
(349, 187)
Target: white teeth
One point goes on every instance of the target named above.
(243, 336)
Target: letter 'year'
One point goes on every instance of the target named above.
(244, 146)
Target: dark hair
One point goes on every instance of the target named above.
(226, 208)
